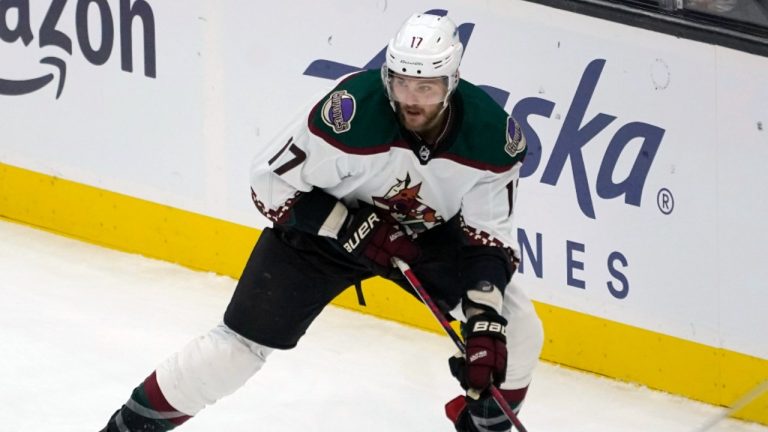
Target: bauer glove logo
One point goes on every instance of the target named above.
(478, 355)
(362, 232)
(482, 326)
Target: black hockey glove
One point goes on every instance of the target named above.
(485, 362)
(318, 213)
(374, 240)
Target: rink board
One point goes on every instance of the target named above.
(709, 374)
(641, 233)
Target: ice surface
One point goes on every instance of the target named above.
(81, 325)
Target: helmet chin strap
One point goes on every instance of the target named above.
(446, 103)
(450, 91)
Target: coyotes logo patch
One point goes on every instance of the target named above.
(403, 203)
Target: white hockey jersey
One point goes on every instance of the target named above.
(352, 145)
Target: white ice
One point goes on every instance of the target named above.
(81, 325)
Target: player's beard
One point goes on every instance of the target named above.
(420, 118)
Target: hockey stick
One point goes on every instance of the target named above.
(416, 284)
(747, 399)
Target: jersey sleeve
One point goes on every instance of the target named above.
(488, 210)
(487, 221)
(288, 180)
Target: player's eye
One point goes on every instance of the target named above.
(425, 88)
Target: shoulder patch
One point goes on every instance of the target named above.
(339, 110)
(515, 141)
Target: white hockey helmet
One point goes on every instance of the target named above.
(426, 46)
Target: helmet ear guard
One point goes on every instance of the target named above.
(426, 46)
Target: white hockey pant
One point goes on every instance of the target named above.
(208, 368)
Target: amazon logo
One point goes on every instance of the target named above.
(91, 17)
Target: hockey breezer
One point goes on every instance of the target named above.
(408, 161)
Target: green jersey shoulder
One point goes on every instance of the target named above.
(487, 134)
(356, 115)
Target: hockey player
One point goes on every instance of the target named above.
(409, 161)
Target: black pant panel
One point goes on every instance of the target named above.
(291, 276)
(288, 280)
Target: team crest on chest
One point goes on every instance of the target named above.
(515, 141)
(403, 203)
(339, 110)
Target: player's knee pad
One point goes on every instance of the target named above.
(208, 368)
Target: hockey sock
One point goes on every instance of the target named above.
(147, 410)
(484, 415)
